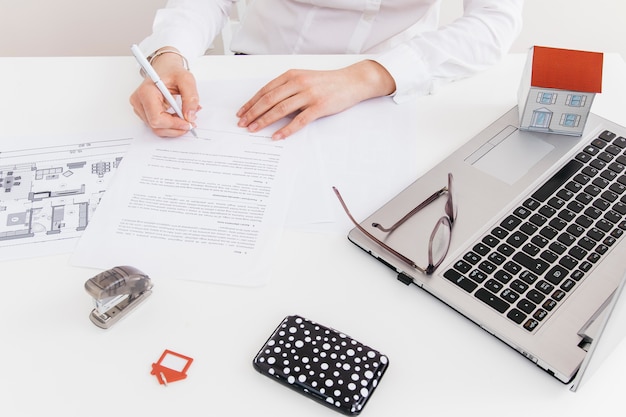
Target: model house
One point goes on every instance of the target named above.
(557, 89)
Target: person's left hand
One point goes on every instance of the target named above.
(313, 94)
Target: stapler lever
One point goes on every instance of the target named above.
(116, 292)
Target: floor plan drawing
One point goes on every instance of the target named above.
(48, 194)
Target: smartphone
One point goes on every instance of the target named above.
(322, 363)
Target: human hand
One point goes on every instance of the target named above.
(150, 105)
(313, 94)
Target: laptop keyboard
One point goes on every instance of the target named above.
(539, 253)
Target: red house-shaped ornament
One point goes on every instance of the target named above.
(557, 89)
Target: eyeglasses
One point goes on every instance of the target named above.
(440, 237)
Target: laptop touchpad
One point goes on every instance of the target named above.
(508, 156)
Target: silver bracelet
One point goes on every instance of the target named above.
(166, 51)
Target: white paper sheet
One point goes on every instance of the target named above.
(371, 153)
(208, 208)
(50, 188)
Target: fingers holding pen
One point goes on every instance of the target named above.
(154, 100)
(189, 96)
(148, 103)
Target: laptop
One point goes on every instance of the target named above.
(537, 248)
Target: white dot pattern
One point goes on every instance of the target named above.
(328, 365)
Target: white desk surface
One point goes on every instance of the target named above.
(54, 360)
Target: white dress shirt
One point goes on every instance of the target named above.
(401, 35)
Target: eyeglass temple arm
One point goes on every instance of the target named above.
(371, 236)
(411, 213)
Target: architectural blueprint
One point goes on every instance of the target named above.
(48, 194)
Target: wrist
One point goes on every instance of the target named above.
(168, 58)
(373, 75)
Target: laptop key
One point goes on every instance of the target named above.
(528, 277)
(595, 234)
(481, 249)
(536, 266)
(620, 208)
(578, 252)
(521, 212)
(549, 304)
(605, 156)
(599, 143)
(584, 221)
(558, 179)
(526, 305)
(509, 295)
(558, 295)
(607, 136)
(540, 314)
(462, 266)
(620, 141)
(471, 257)
(544, 287)
(567, 285)
(517, 239)
(519, 286)
(493, 286)
(464, 283)
(477, 276)
(503, 276)
(506, 250)
(530, 249)
(617, 188)
(566, 239)
(510, 223)
(602, 248)
(534, 204)
(548, 256)
(512, 267)
(491, 300)
(613, 150)
(516, 315)
(535, 296)
(531, 324)
(496, 258)
(568, 262)
(528, 228)
(490, 241)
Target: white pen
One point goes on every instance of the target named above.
(157, 81)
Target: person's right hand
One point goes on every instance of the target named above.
(150, 105)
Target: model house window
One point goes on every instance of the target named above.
(541, 118)
(546, 98)
(570, 120)
(576, 100)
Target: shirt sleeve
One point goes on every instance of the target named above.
(188, 25)
(473, 42)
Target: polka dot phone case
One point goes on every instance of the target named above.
(322, 363)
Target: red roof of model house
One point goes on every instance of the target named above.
(566, 69)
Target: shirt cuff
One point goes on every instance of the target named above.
(409, 71)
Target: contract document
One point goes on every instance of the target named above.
(213, 208)
(209, 209)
